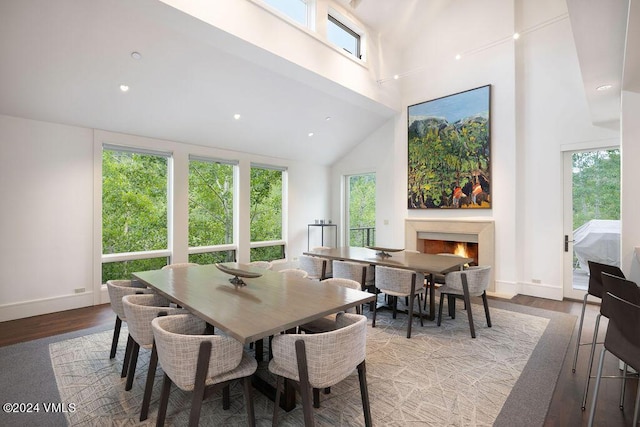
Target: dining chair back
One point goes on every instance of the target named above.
(294, 272)
(322, 360)
(262, 264)
(398, 282)
(179, 265)
(140, 310)
(329, 272)
(118, 289)
(595, 289)
(200, 363)
(315, 267)
(470, 282)
(328, 323)
(621, 302)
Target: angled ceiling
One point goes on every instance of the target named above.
(64, 62)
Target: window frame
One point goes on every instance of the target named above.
(137, 255)
(233, 246)
(310, 13)
(351, 29)
(283, 235)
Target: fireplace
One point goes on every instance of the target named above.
(437, 246)
(447, 236)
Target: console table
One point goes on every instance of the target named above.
(322, 226)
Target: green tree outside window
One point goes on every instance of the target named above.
(266, 212)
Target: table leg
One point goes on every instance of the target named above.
(259, 349)
(432, 297)
(287, 399)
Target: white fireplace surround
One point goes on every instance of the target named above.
(460, 230)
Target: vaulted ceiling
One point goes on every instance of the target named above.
(63, 61)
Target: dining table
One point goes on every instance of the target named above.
(428, 264)
(257, 308)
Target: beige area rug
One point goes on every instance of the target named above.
(439, 377)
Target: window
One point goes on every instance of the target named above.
(211, 213)
(298, 10)
(266, 216)
(341, 35)
(211, 193)
(135, 235)
(361, 209)
(213, 257)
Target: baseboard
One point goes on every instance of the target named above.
(24, 309)
(505, 289)
(541, 290)
(510, 289)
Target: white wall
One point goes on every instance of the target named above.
(630, 177)
(375, 154)
(538, 108)
(255, 23)
(552, 115)
(46, 218)
(50, 178)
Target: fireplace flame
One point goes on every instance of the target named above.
(461, 249)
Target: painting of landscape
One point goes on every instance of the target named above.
(449, 152)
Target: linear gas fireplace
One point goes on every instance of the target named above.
(470, 238)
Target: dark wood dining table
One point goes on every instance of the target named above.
(266, 306)
(428, 264)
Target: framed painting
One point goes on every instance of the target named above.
(449, 164)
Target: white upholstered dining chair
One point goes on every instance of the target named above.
(470, 282)
(294, 272)
(200, 363)
(179, 265)
(117, 289)
(140, 310)
(397, 282)
(315, 267)
(322, 360)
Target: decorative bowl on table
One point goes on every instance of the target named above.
(383, 252)
(238, 274)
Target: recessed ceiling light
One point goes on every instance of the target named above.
(136, 55)
(236, 116)
(604, 87)
(396, 77)
(458, 56)
(124, 88)
(516, 36)
(310, 133)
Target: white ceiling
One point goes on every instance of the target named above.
(599, 29)
(64, 60)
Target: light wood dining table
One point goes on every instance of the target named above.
(266, 306)
(428, 264)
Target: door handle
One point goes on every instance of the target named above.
(566, 242)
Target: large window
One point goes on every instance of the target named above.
(211, 216)
(267, 241)
(134, 211)
(341, 35)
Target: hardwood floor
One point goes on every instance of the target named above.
(565, 405)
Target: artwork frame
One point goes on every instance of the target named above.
(449, 151)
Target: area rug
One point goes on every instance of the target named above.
(506, 376)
